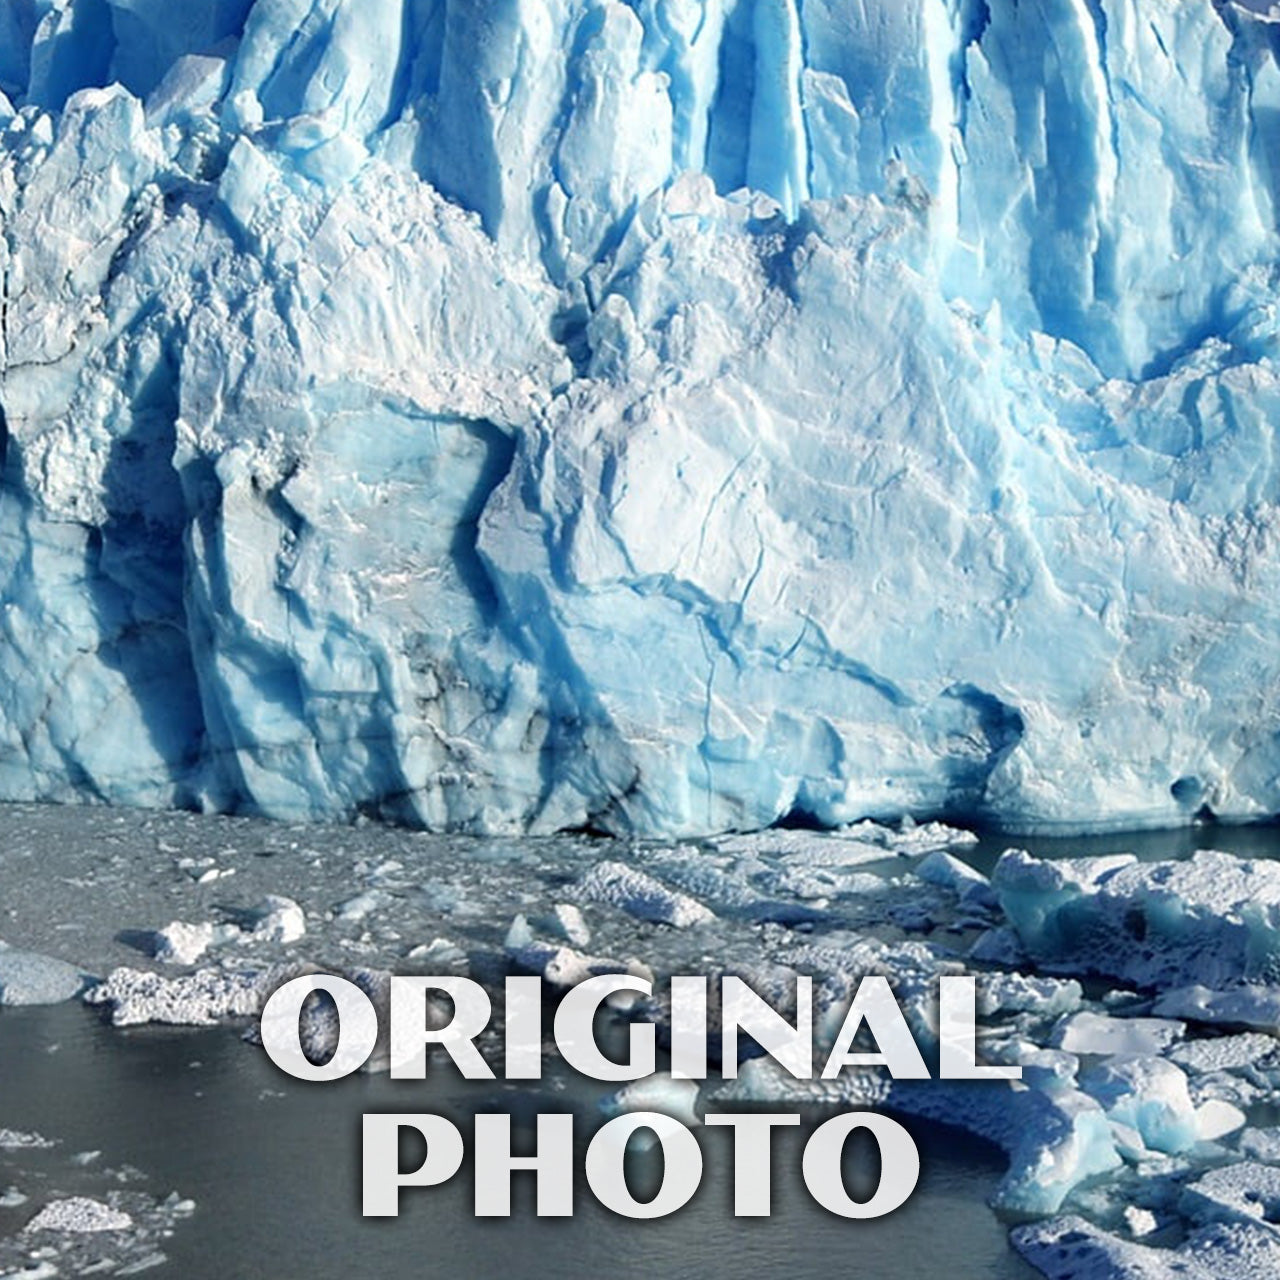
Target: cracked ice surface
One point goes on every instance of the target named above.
(659, 416)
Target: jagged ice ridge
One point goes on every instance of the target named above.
(662, 416)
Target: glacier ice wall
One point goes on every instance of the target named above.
(664, 416)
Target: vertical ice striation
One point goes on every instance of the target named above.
(662, 415)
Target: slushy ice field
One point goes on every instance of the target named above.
(1139, 990)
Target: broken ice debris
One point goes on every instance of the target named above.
(660, 1093)
(1074, 1249)
(1097, 1033)
(200, 999)
(275, 919)
(180, 943)
(572, 927)
(947, 872)
(1257, 1008)
(79, 1215)
(640, 895)
(15, 1140)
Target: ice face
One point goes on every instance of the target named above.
(664, 416)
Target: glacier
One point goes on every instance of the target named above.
(666, 417)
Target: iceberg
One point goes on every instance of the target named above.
(663, 417)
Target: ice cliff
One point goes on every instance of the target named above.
(664, 416)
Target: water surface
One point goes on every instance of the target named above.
(273, 1165)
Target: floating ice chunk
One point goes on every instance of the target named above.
(363, 905)
(12, 1198)
(1205, 920)
(30, 979)
(640, 895)
(1226, 1053)
(274, 920)
(724, 882)
(1140, 1222)
(911, 838)
(819, 875)
(1240, 1090)
(1249, 1006)
(1073, 1249)
(1148, 1095)
(37, 1270)
(572, 927)
(1245, 1192)
(811, 848)
(199, 999)
(180, 943)
(559, 966)
(1018, 993)
(79, 1215)
(912, 918)
(565, 967)
(519, 935)
(660, 1093)
(1218, 1118)
(1051, 1070)
(439, 953)
(278, 919)
(1262, 1145)
(14, 1140)
(1099, 1033)
(1055, 1140)
(948, 872)
(999, 946)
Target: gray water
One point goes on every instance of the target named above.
(273, 1165)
